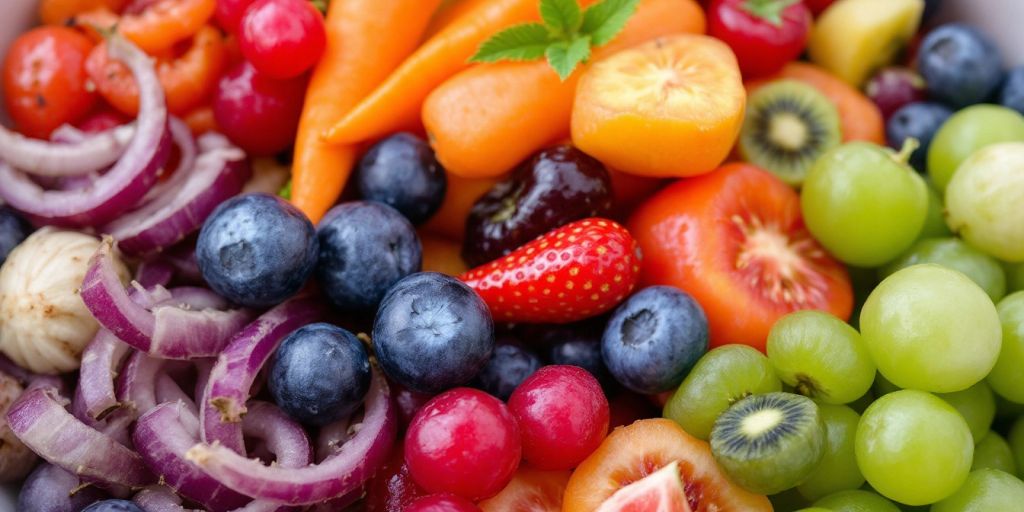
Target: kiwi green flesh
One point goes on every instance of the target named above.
(768, 443)
(788, 125)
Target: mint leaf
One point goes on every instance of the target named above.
(520, 42)
(605, 19)
(565, 56)
(562, 17)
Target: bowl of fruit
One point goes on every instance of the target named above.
(497, 255)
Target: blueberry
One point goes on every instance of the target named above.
(654, 338)
(509, 366)
(555, 187)
(432, 333)
(365, 248)
(13, 230)
(113, 506)
(401, 172)
(256, 250)
(1012, 93)
(918, 120)
(583, 352)
(320, 374)
(960, 64)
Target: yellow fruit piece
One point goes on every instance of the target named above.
(853, 38)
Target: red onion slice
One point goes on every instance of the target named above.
(285, 438)
(126, 182)
(162, 436)
(78, 154)
(340, 474)
(137, 384)
(100, 361)
(164, 330)
(39, 419)
(188, 150)
(190, 197)
(154, 272)
(167, 390)
(159, 498)
(223, 402)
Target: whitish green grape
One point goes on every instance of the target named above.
(977, 405)
(966, 132)
(856, 501)
(838, 469)
(1007, 377)
(994, 452)
(954, 253)
(984, 201)
(986, 490)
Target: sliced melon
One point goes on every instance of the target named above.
(661, 491)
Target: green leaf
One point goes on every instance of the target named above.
(286, 190)
(605, 19)
(521, 42)
(564, 57)
(562, 17)
(768, 10)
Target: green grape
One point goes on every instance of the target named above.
(935, 220)
(994, 452)
(1014, 276)
(953, 253)
(814, 509)
(1007, 376)
(856, 501)
(720, 378)
(821, 356)
(966, 132)
(863, 204)
(883, 386)
(838, 469)
(1016, 439)
(931, 328)
(913, 447)
(986, 490)
(984, 198)
(977, 405)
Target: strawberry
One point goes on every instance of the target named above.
(574, 272)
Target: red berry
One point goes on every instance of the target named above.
(764, 34)
(392, 489)
(229, 13)
(258, 113)
(574, 272)
(282, 38)
(562, 414)
(464, 442)
(102, 120)
(442, 503)
(894, 87)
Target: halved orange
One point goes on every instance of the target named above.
(670, 107)
(631, 453)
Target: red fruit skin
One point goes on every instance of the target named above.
(562, 415)
(577, 271)
(463, 442)
(894, 87)
(442, 503)
(258, 113)
(761, 46)
(392, 488)
(229, 13)
(282, 38)
(818, 6)
(101, 120)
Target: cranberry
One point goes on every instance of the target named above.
(392, 489)
(282, 38)
(229, 13)
(442, 503)
(893, 87)
(555, 187)
(562, 414)
(259, 114)
(464, 442)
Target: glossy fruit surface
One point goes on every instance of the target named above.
(44, 79)
(575, 272)
(633, 452)
(229, 13)
(510, 364)
(579, 345)
(961, 65)
(401, 172)
(977, 405)
(985, 489)
(662, 491)
(669, 107)
(259, 114)
(282, 38)
(838, 469)
(13, 230)
(913, 448)
(920, 340)
(556, 186)
(763, 35)
(1011, 95)
(920, 121)
(442, 503)
(465, 442)
(720, 378)
(392, 488)
(856, 501)
(983, 200)
(894, 87)
(953, 253)
(994, 452)
(735, 241)
(562, 415)
(967, 131)
(530, 490)
(1006, 378)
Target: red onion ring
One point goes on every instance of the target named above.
(164, 330)
(154, 272)
(126, 182)
(167, 390)
(159, 498)
(137, 383)
(338, 475)
(223, 402)
(40, 421)
(183, 258)
(100, 361)
(285, 438)
(77, 154)
(190, 196)
(188, 150)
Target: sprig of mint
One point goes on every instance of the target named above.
(565, 37)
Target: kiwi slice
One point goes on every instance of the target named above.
(788, 125)
(769, 443)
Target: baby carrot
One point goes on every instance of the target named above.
(396, 104)
(366, 40)
(488, 118)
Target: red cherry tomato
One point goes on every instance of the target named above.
(45, 83)
(229, 13)
(764, 34)
(282, 38)
(258, 113)
(102, 119)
